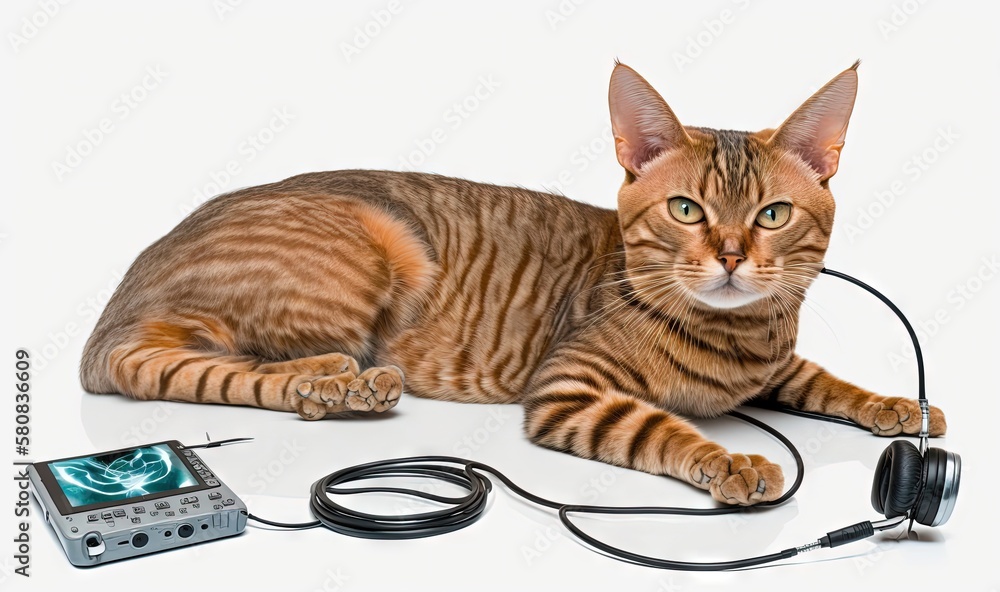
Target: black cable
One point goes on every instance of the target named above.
(921, 394)
(763, 403)
(463, 510)
(218, 443)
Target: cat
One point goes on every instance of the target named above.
(317, 294)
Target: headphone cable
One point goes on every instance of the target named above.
(461, 511)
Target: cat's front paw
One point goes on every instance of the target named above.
(738, 478)
(888, 416)
(314, 399)
(375, 389)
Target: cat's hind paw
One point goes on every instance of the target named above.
(375, 389)
(738, 478)
(315, 398)
(888, 416)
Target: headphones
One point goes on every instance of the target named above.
(919, 484)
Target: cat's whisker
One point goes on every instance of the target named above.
(673, 305)
(794, 298)
(813, 309)
(617, 301)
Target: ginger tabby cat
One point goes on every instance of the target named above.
(319, 293)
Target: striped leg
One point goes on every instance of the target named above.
(805, 386)
(574, 412)
(312, 387)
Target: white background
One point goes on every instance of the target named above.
(928, 91)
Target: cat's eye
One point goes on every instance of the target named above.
(774, 215)
(686, 211)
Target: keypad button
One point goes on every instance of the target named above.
(212, 482)
(182, 510)
(92, 517)
(169, 513)
(138, 509)
(136, 520)
(162, 505)
(228, 502)
(119, 513)
(106, 515)
(215, 495)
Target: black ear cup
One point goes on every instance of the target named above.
(898, 477)
(905, 481)
(941, 474)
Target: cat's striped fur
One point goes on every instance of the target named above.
(607, 325)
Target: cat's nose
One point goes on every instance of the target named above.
(731, 259)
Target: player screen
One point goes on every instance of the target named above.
(120, 475)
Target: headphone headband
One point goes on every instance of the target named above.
(921, 484)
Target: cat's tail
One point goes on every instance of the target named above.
(95, 364)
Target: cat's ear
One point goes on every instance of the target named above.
(642, 123)
(817, 129)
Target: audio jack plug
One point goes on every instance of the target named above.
(852, 533)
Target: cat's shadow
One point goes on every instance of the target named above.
(361, 416)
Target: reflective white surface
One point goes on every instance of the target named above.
(511, 94)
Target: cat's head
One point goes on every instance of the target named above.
(723, 218)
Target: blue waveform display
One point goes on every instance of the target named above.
(122, 475)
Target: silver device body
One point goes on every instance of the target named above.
(132, 528)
